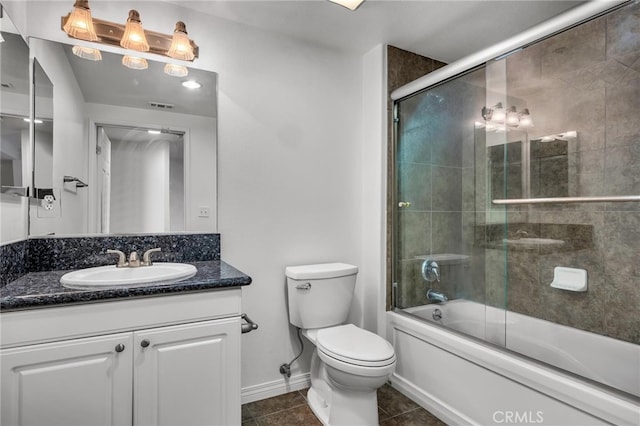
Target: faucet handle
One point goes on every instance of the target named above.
(146, 258)
(121, 258)
(430, 268)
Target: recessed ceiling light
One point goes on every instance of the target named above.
(191, 84)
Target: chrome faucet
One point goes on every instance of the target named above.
(134, 260)
(430, 271)
(436, 296)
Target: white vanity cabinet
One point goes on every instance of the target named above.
(170, 360)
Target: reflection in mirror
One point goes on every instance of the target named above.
(15, 154)
(153, 159)
(43, 128)
(94, 101)
(14, 104)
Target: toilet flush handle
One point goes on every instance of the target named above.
(305, 286)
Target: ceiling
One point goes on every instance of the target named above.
(444, 30)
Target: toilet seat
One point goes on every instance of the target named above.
(352, 345)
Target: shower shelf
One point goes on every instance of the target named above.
(445, 258)
(566, 200)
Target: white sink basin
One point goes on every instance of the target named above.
(110, 276)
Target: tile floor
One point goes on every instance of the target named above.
(291, 409)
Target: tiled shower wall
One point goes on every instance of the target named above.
(586, 80)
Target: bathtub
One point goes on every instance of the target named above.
(468, 381)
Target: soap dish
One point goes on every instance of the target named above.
(570, 279)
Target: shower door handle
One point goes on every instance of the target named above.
(403, 204)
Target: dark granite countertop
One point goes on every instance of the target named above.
(43, 289)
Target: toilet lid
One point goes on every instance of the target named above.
(354, 345)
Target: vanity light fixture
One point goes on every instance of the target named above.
(191, 84)
(175, 70)
(349, 4)
(81, 25)
(497, 119)
(87, 53)
(134, 62)
(134, 37)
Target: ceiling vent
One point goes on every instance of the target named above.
(160, 105)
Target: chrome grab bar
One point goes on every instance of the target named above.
(565, 200)
(249, 326)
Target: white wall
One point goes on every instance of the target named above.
(290, 165)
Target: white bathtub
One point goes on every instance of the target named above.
(465, 381)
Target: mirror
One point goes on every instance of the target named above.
(15, 154)
(134, 151)
(14, 110)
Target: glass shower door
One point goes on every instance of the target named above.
(441, 212)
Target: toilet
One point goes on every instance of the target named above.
(348, 364)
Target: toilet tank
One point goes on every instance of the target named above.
(320, 295)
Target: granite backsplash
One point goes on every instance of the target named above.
(55, 254)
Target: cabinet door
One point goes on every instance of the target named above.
(188, 374)
(75, 382)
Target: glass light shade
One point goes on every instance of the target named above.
(176, 70)
(134, 37)
(135, 63)
(180, 44)
(512, 117)
(87, 53)
(80, 24)
(499, 114)
(349, 4)
(525, 119)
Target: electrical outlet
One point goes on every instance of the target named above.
(203, 212)
(49, 207)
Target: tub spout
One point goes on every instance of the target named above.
(436, 296)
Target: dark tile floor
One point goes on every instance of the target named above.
(291, 409)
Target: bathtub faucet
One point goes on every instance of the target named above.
(436, 296)
(430, 271)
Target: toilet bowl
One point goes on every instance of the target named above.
(348, 364)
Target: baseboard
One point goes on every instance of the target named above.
(275, 388)
(435, 406)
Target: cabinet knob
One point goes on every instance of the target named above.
(145, 343)
(119, 347)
